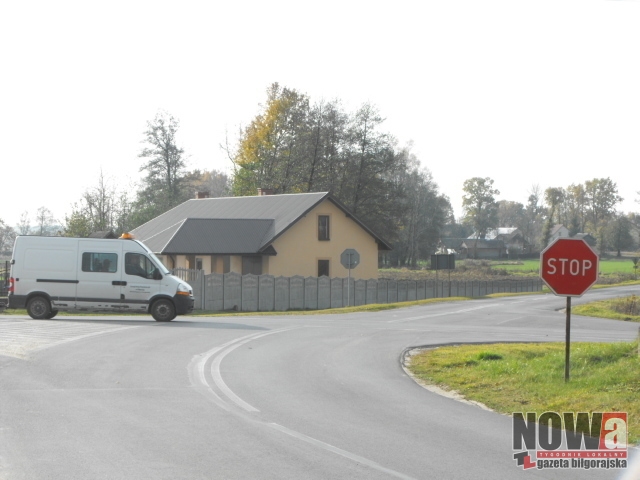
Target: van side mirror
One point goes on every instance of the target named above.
(157, 275)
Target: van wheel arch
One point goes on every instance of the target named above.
(39, 306)
(162, 309)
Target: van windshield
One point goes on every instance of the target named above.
(159, 264)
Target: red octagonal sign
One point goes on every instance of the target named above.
(569, 267)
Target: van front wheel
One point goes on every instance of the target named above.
(39, 308)
(163, 310)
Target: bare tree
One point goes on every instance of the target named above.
(7, 236)
(24, 227)
(45, 223)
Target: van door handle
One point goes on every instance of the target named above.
(118, 282)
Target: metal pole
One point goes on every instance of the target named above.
(349, 284)
(567, 349)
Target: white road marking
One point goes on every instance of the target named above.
(196, 369)
(443, 314)
(339, 451)
(18, 337)
(198, 362)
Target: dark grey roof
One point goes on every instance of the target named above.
(224, 236)
(453, 242)
(231, 225)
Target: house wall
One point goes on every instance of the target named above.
(299, 248)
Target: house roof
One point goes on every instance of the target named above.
(454, 243)
(495, 233)
(557, 227)
(587, 237)
(232, 225)
(483, 243)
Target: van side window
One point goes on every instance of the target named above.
(137, 264)
(99, 262)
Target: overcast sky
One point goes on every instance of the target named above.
(525, 92)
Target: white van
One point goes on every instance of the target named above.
(49, 274)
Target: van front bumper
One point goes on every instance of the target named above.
(184, 303)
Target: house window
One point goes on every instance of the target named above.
(323, 268)
(252, 264)
(323, 227)
(198, 263)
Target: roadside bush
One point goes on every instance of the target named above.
(627, 306)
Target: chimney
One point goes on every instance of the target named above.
(202, 195)
(265, 191)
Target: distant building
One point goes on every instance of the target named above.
(558, 231)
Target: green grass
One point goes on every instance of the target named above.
(614, 309)
(530, 377)
(608, 266)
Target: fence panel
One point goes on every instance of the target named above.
(214, 292)
(360, 292)
(324, 293)
(392, 292)
(266, 293)
(282, 294)
(371, 292)
(232, 291)
(383, 289)
(249, 293)
(296, 293)
(336, 293)
(311, 293)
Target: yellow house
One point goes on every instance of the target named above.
(295, 234)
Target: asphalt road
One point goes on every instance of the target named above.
(264, 397)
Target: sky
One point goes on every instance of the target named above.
(527, 93)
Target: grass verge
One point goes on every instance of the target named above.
(530, 377)
(617, 309)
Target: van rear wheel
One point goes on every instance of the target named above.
(163, 310)
(39, 308)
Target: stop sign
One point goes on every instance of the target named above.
(569, 267)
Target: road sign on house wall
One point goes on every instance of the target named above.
(350, 258)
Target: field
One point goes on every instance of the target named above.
(612, 270)
(607, 266)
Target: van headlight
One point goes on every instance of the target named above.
(183, 289)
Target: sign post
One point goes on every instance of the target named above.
(350, 258)
(569, 267)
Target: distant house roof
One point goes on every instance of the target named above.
(454, 243)
(498, 232)
(483, 243)
(557, 227)
(587, 237)
(233, 225)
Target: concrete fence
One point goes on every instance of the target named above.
(252, 293)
